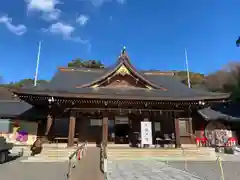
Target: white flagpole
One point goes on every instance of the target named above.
(188, 76)
(38, 59)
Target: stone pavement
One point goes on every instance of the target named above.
(89, 167)
(210, 170)
(146, 170)
(16, 170)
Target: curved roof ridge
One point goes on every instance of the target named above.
(124, 60)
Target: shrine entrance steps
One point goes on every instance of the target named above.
(165, 154)
(89, 166)
(52, 153)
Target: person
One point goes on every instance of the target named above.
(36, 148)
(225, 138)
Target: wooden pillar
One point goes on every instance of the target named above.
(105, 129)
(191, 130)
(49, 125)
(71, 130)
(177, 133)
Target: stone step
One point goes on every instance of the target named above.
(30, 160)
(165, 158)
(19, 149)
(180, 154)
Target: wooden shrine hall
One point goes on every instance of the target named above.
(108, 104)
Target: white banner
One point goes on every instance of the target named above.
(146, 132)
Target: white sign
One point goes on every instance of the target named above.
(146, 132)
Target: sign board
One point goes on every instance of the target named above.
(121, 120)
(96, 122)
(157, 126)
(146, 132)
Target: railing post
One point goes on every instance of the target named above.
(105, 167)
(76, 153)
(185, 159)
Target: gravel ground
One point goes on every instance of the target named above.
(210, 170)
(16, 170)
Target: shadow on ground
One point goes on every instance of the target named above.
(209, 170)
(12, 157)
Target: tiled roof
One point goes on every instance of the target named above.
(13, 109)
(67, 79)
(10, 106)
(5, 94)
(228, 112)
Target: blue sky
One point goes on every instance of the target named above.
(155, 33)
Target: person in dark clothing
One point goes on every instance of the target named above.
(36, 148)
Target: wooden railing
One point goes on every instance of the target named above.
(77, 154)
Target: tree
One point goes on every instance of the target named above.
(238, 42)
(226, 80)
(78, 62)
(196, 79)
(217, 82)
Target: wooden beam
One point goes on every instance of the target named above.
(105, 129)
(127, 109)
(190, 129)
(177, 133)
(71, 131)
(49, 125)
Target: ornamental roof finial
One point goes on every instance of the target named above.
(124, 50)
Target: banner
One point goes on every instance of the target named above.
(146, 132)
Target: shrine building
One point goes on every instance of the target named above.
(96, 104)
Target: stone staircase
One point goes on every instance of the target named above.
(52, 153)
(181, 154)
(21, 149)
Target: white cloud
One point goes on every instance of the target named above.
(51, 16)
(82, 20)
(46, 7)
(19, 29)
(67, 32)
(121, 1)
(98, 3)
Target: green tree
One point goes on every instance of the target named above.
(25, 83)
(196, 79)
(78, 63)
(226, 80)
(238, 42)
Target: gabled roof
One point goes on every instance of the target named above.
(123, 65)
(80, 82)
